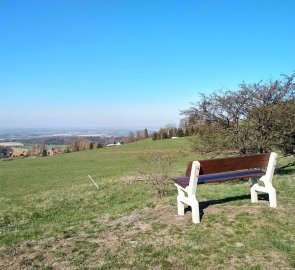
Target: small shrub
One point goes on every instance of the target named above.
(156, 170)
(99, 145)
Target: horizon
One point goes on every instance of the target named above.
(8, 134)
(81, 128)
(133, 64)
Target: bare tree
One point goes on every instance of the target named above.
(250, 119)
(145, 133)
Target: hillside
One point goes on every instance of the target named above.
(53, 217)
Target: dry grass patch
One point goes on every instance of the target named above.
(155, 239)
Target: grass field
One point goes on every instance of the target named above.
(53, 217)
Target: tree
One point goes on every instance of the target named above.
(99, 145)
(171, 130)
(131, 137)
(145, 133)
(138, 134)
(187, 132)
(44, 153)
(276, 126)
(91, 146)
(154, 136)
(76, 146)
(80, 145)
(251, 119)
(180, 132)
(38, 149)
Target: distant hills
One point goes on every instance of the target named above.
(12, 134)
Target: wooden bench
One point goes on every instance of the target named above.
(226, 169)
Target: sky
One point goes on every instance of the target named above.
(118, 63)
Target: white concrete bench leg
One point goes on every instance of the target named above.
(267, 180)
(267, 189)
(190, 191)
(272, 198)
(180, 204)
(254, 195)
(195, 209)
(190, 200)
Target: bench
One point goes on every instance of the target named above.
(226, 169)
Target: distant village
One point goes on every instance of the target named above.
(16, 149)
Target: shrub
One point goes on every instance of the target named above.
(156, 170)
(258, 117)
(99, 145)
(91, 146)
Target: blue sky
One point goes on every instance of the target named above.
(133, 63)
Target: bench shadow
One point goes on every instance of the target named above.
(285, 171)
(205, 204)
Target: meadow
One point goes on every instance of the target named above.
(53, 217)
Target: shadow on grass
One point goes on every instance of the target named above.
(286, 169)
(206, 204)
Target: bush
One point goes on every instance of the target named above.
(258, 117)
(44, 153)
(211, 140)
(156, 170)
(99, 145)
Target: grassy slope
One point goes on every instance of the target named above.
(44, 195)
(52, 197)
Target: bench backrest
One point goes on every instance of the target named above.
(230, 164)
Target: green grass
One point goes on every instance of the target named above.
(53, 216)
(41, 196)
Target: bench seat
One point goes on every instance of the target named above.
(183, 181)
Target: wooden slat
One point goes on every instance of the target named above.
(231, 164)
(228, 176)
(189, 168)
(220, 177)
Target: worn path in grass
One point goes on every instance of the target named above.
(52, 217)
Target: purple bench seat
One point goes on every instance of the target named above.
(183, 181)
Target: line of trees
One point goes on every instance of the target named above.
(136, 136)
(81, 145)
(172, 131)
(258, 117)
